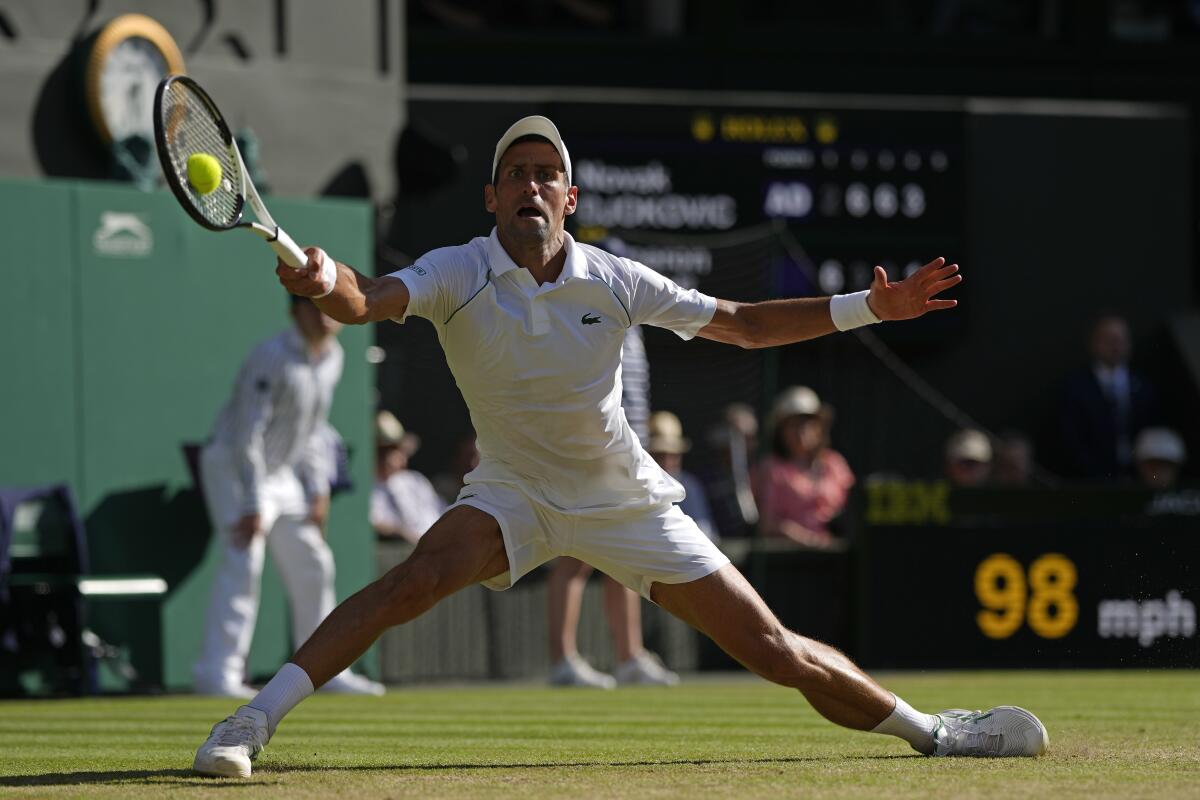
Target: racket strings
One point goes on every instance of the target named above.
(189, 127)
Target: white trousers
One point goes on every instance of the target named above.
(300, 553)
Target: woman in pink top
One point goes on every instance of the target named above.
(804, 483)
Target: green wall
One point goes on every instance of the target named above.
(119, 342)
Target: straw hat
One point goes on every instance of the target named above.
(666, 434)
(390, 433)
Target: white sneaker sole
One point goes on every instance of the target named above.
(220, 767)
(1037, 723)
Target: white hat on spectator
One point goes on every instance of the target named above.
(666, 434)
(390, 433)
(969, 445)
(797, 401)
(1159, 444)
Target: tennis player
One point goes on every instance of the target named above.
(532, 324)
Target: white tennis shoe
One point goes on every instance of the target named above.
(1001, 732)
(574, 671)
(645, 669)
(234, 742)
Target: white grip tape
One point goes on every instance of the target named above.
(851, 311)
(329, 272)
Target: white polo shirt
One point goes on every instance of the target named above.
(540, 367)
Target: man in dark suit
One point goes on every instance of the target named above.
(1105, 405)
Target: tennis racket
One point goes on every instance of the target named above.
(187, 122)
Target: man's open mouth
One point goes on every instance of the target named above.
(529, 211)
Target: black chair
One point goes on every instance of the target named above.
(42, 550)
(45, 586)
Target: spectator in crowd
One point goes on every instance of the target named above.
(568, 576)
(1105, 405)
(1012, 461)
(1159, 454)
(734, 441)
(968, 458)
(666, 444)
(804, 483)
(464, 459)
(266, 475)
(404, 503)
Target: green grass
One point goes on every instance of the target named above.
(1112, 734)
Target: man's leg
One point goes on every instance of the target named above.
(464, 547)
(306, 566)
(564, 598)
(726, 608)
(624, 611)
(635, 665)
(229, 624)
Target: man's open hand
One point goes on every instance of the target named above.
(913, 296)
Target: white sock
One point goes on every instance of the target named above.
(281, 694)
(910, 725)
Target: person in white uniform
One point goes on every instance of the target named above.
(532, 325)
(404, 503)
(265, 475)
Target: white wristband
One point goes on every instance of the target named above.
(851, 311)
(329, 272)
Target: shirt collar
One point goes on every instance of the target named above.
(576, 264)
(574, 267)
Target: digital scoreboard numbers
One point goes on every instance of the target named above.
(1014, 595)
(854, 187)
(1042, 598)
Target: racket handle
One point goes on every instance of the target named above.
(287, 250)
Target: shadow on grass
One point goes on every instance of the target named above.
(672, 762)
(138, 776)
(175, 776)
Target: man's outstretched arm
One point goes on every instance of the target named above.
(355, 299)
(776, 322)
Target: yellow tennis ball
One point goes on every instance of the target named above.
(204, 172)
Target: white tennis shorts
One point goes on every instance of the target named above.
(638, 549)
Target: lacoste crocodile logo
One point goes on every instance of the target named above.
(589, 319)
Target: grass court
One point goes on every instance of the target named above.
(1132, 734)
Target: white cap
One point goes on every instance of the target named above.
(969, 445)
(532, 126)
(666, 434)
(390, 433)
(1159, 444)
(793, 402)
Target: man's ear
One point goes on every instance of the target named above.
(489, 198)
(572, 200)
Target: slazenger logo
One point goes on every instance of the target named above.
(122, 234)
(1173, 616)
